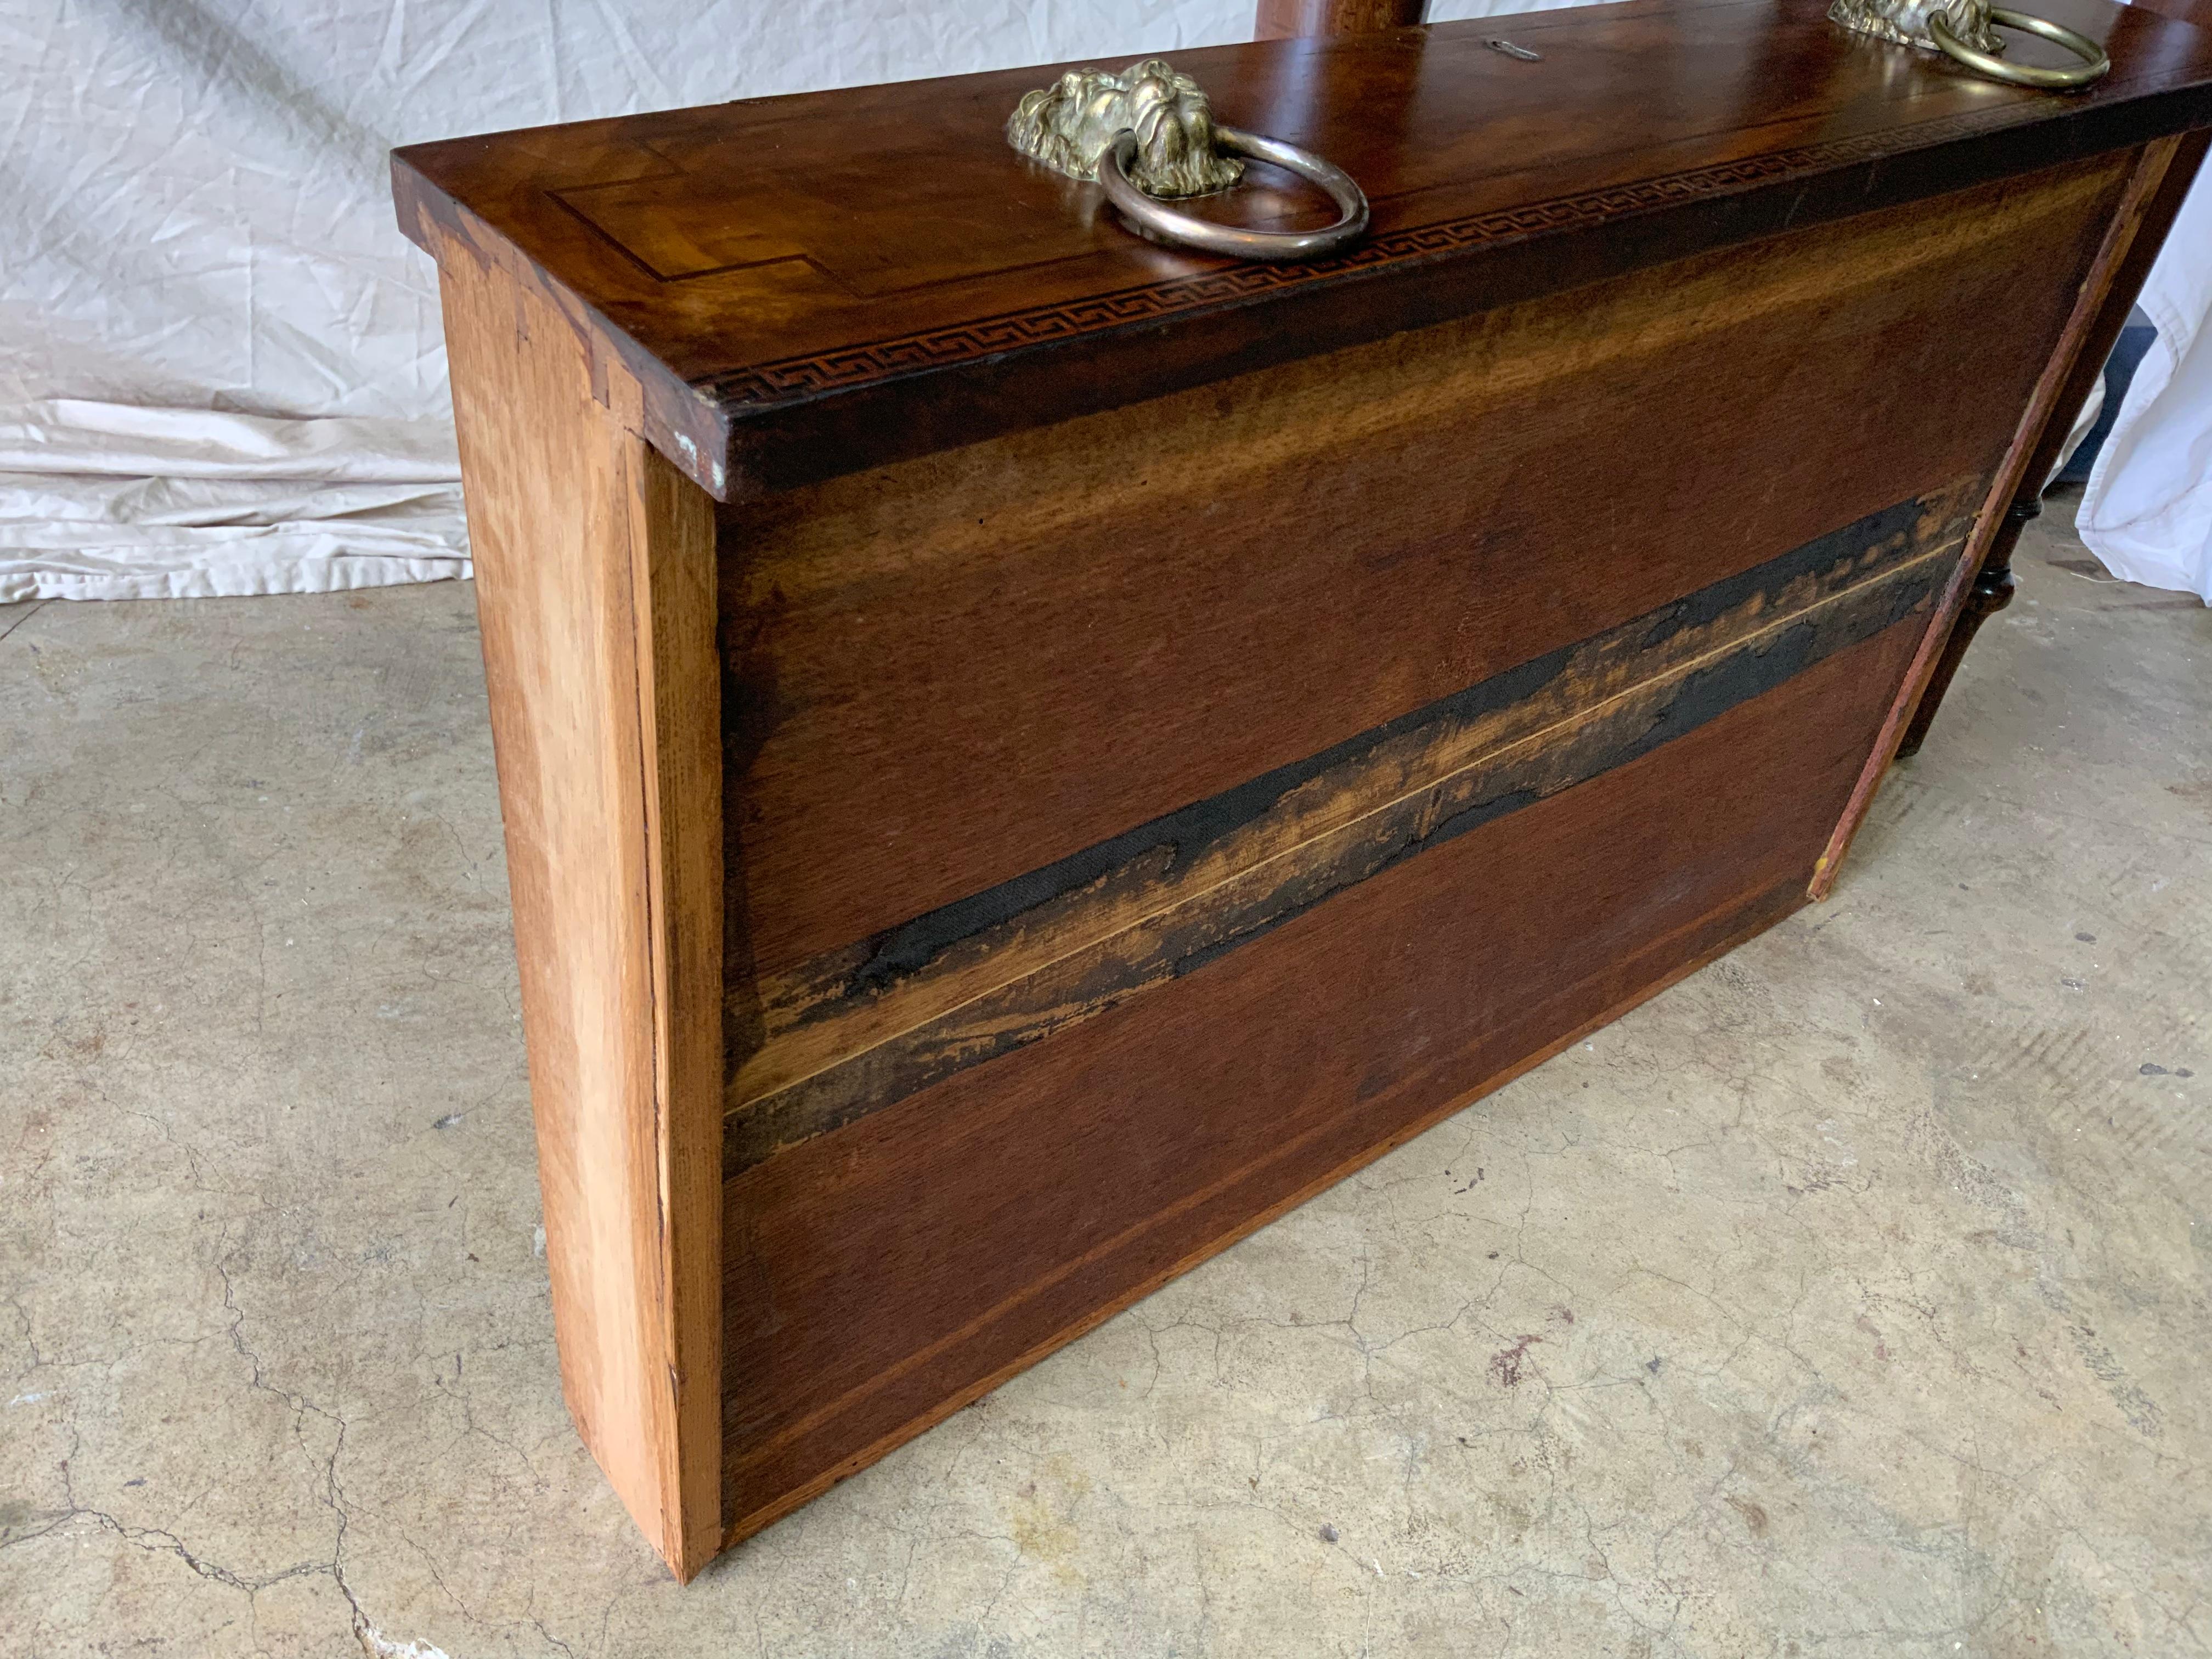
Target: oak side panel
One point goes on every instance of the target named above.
(882, 1276)
(594, 589)
(950, 671)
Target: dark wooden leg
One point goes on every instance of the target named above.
(1991, 593)
(1290, 20)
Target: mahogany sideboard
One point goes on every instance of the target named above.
(1025, 752)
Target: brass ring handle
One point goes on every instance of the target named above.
(2094, 63)
(1183, 229)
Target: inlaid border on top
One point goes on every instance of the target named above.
(793, 379)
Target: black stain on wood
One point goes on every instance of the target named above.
(1184, 835)
(1166, 899)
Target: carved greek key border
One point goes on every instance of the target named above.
(793, 380)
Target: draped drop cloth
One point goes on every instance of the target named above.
(221, 369)
(2147, 512)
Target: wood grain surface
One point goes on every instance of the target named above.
(823, 282)
(857, 1031)
(947, 668)
(595, 593)
(881, 1276)
(947, 674)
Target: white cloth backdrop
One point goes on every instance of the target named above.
(2148, 511)
(220, 364)
(221, 370)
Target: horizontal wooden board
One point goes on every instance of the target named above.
(878, 1277)
(823, 283)
(943, 674)
(857, 1030)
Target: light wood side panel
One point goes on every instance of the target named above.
(596, 594)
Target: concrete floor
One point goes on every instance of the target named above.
(1851, 1298)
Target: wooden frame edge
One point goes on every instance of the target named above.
(595, 561)
(2136, 203)
(680, 729)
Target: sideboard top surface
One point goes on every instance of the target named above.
(811, 284)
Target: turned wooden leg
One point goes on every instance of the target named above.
(1992, 592)
(1292, 20)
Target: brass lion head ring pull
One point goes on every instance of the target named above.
(1963, 29)
(1147, 134)
(2094, 64)
(1122, 157)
